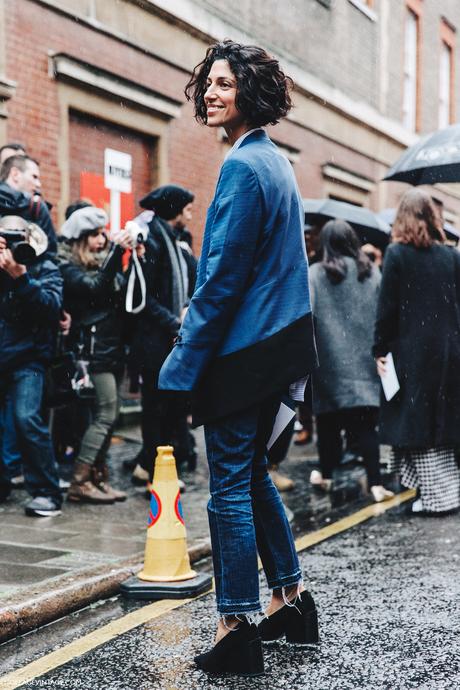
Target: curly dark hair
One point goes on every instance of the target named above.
(337, 240)
(417, 222)
(262, 95)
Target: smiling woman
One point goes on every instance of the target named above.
(244, 83)
(246, 337)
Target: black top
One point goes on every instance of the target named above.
(153, 330)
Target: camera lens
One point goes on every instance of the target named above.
(23, 253)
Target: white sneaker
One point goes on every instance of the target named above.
(316, 479)
(379, 494)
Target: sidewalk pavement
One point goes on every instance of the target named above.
(388, 598)
(52, 566)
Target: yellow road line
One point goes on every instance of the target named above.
(351, 520)
(108, 632)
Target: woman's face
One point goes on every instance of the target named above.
(96, 240)
(220, 98)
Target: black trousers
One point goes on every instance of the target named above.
(361, 424)
(163, 422)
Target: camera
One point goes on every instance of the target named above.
(17, 242)
(138, 234)
(25, 240)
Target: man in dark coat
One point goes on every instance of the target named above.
(19, 184)
(169, 274)
(30, 304)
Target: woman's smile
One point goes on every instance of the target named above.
(220, 100)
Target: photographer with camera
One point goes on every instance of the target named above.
(30, 304)
(91, 268)
(169, 279)
(20, 194)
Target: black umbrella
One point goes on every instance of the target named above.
(389, 215)
(367, 224)
(435, 158)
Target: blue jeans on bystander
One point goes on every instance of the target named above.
(245, 511)
(24, 387)
(9, 448)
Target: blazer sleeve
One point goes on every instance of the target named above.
(386, 326)
(235, 230)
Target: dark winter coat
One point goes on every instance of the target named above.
(93, 298)
(152, 331)
(29, 314)
(13, 203)
(344, 315)
(418, 320)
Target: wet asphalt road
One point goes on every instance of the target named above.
(388, 594)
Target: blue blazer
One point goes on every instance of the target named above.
(248, 331)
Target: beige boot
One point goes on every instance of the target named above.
(82, 489)
(281, 482)
(101, 480)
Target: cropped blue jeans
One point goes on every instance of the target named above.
(245, 511)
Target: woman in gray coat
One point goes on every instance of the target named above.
(344, 289)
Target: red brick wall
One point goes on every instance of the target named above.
(195, 153)
(34, 114)
(89, 137)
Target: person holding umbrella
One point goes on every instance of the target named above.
(418, 322)
(246, 337)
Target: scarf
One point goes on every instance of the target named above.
(179, 273)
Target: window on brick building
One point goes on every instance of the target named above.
(410, 70)
(446, 111)
(445, 71)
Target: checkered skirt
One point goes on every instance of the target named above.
(434, 471)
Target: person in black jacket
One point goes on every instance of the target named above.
(169, 271)
(19, 184)
(91, 271)
(418, 322)
(30, 304)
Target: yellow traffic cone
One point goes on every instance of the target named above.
(166, 556)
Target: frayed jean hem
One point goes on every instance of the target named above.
(250, 608)
(285, 581)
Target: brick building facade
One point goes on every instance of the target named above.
(77, 77)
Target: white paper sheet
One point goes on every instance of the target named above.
(389, 380)
(284, 416)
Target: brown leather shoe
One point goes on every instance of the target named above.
(302, 437)
(100, 476)
(82, 489)
(281, 482)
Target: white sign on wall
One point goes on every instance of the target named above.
(117, 178)
(117, 170)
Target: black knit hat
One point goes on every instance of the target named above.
(167, 201)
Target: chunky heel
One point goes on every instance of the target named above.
(303, 629)
(239, 652)
(297, 622)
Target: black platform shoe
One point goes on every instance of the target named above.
(239, 652)
(299, 623)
